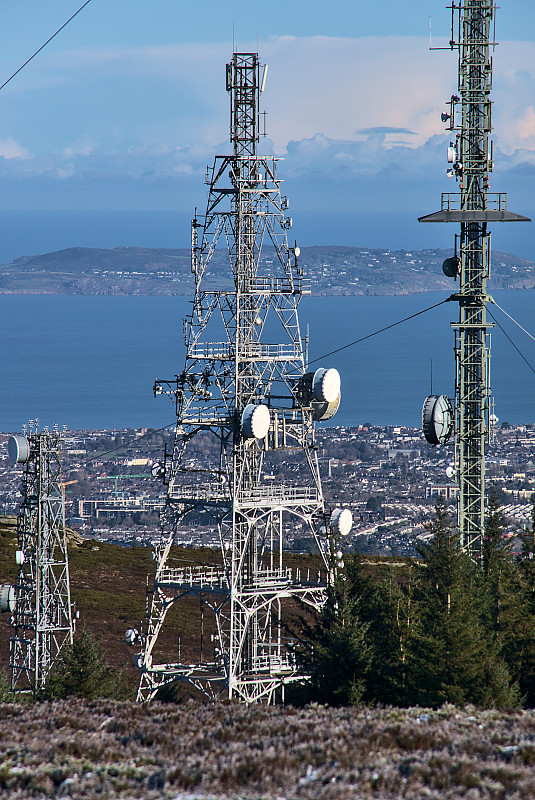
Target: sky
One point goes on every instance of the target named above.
(127, 106)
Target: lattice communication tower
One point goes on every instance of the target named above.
(471, 160)
(245, 387)
(40, 601)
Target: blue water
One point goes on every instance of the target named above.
(35, 232)
(90, 362)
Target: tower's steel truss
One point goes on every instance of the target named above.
(474, 207)
(250, 396)
(42, 618)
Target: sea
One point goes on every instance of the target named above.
(89, 362)
(32, 232)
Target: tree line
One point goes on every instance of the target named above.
(451, 630)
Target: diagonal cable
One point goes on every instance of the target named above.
(45, 44)
(381, 330)
(512, 320)
(129, 442)
(522, 356)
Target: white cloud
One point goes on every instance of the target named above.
(359, 114)
(83, 146)
(316, 85)
(9, 148)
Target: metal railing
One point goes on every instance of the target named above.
(285, 495)
(496, 201)
(215, 578)
(278, 285)
(253, 351)
(206, 577)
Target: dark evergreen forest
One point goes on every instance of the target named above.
(453, 631)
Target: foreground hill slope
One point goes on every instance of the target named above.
(119, 750)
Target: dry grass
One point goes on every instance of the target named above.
(120, 750)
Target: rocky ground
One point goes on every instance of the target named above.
(106, 749)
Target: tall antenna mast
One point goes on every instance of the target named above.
(470, 160)
(41, 606)
(252, 398)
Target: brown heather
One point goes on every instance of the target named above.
(103, 749)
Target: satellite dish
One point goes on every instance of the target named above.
(18, 449)
(326, 385)
(341, 521)
(131, 636)
(437, 419)
(450, 472)
(324, 411)
(7, 599)
(297, 252)
(157, 470)
(143, 663)
(255, 421)
(450, 267)
(321, 391)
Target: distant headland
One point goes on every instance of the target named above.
(328, 270)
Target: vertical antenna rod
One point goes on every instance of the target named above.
(474, 207)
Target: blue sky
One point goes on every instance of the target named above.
(123, 110)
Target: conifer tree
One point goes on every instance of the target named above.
(502, 578)
(452, 658)
(388, 612)
(338, 652)
(525, 645)
(82, 671)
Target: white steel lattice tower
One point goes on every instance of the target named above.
(250, 393)
(42, 617)
(470, 157)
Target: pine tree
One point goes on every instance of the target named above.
(451, 656)
(338, 654)
(503, 586)
(525, 644)
(82, 671)
(388, 612)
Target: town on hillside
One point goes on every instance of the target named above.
(388, 476)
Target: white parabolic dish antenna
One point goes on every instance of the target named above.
(255, 421)
(18, 449)
(342, 521)
(437, 418)
(326, 385)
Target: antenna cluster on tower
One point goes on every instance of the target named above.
(248, 391)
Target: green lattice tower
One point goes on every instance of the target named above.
(473, 207)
